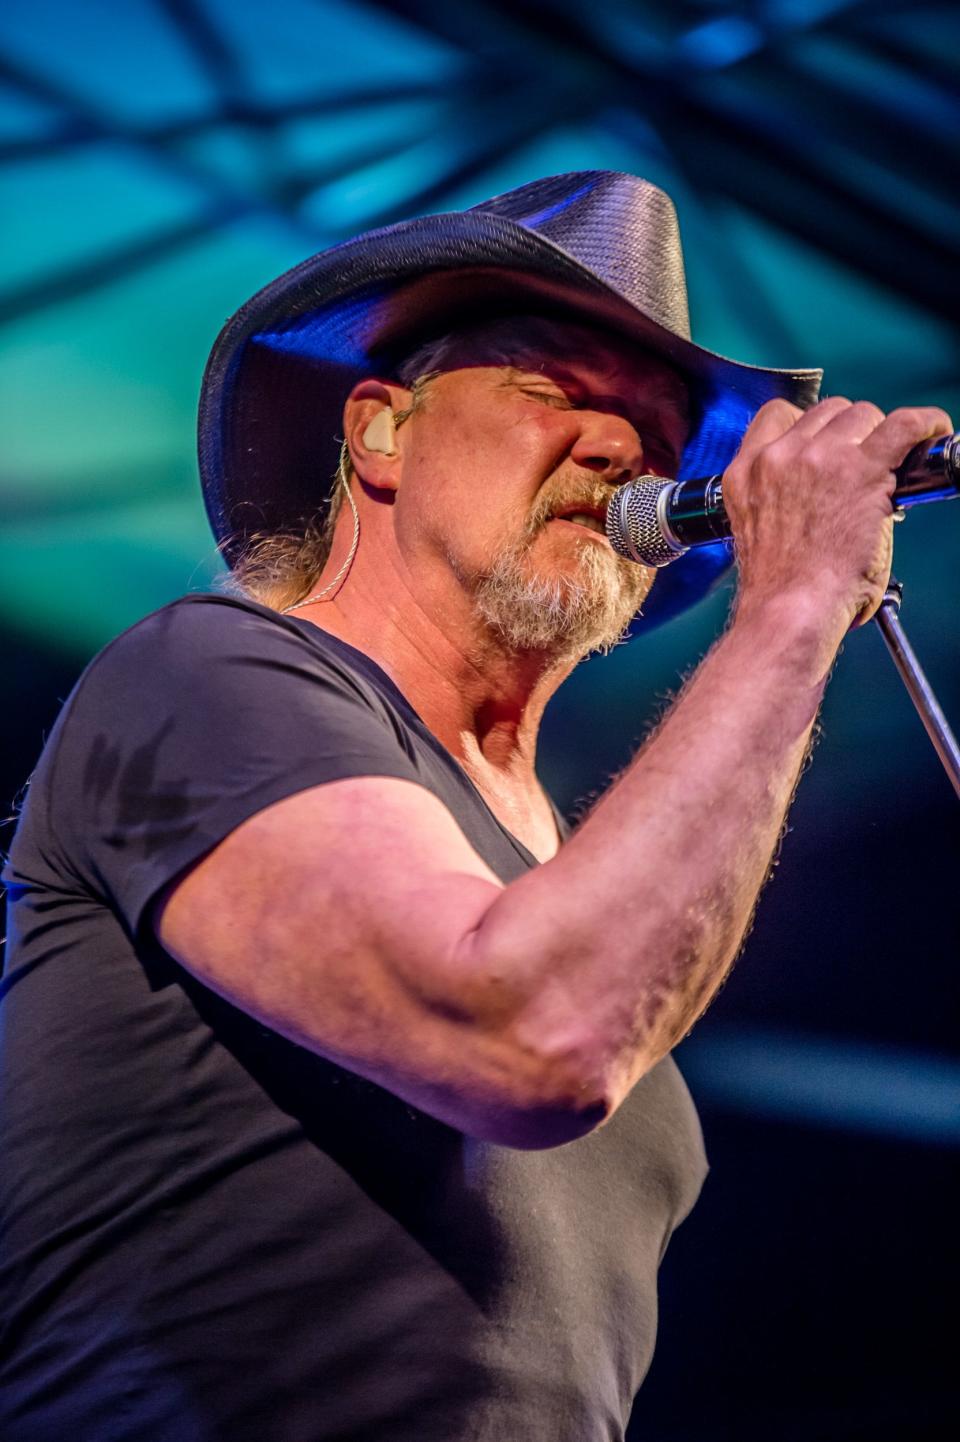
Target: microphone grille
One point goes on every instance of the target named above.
(634, 528)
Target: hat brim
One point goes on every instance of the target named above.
(273, 392)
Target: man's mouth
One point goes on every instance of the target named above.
(592, 517)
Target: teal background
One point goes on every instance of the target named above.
(162, 159)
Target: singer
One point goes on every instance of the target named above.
(336, 1082)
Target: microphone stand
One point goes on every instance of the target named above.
(918, 687)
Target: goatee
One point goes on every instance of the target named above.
(569, 615)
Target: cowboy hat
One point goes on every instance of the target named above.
(596, 245)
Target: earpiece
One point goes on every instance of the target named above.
(380, 434)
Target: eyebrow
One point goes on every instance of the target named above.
(643, 410)
(662, 388)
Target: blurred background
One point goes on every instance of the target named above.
(162, 159)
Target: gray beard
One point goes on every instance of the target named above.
(567, 616)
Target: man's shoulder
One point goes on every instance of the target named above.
(207, 629)
(209, 661)
(215, 686)
(196, 620)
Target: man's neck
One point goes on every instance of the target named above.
(482, 701)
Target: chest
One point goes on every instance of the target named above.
(526, 815)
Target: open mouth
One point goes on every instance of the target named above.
(592, 517)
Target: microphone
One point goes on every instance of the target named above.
(654, 520)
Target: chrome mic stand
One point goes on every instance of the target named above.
(918, 687)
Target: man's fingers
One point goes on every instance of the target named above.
(772, 420)
(777, 417)
(851, 424)
(882, 438)
(903, 429)
(825, 413)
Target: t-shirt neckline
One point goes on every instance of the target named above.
(386, 682)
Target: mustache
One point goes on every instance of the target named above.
(584, 493)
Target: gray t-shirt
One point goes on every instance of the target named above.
(210, 1234)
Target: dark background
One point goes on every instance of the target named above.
(161, 159)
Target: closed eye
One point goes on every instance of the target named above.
(551, 398)
(656, 446)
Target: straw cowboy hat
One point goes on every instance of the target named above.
(595, 246)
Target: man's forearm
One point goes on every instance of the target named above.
(621, 940)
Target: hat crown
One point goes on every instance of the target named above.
(622, 228)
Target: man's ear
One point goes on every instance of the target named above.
(370, 433)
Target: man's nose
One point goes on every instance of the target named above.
(610, 446)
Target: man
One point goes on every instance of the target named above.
(331, 1114)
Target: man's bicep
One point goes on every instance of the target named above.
(336, 916)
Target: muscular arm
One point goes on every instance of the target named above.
(356, 919)
(659, 884)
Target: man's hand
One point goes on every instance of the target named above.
(808, 498)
